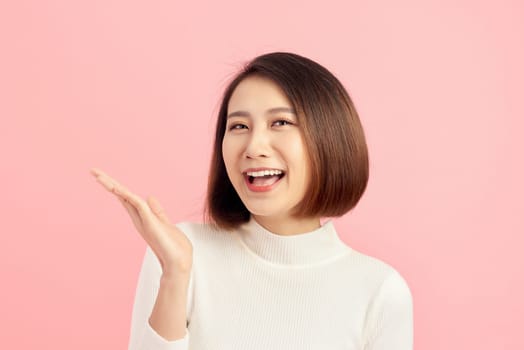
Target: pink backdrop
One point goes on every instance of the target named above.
(132, 88)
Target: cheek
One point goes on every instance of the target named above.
(296, 151)
(226, 151)
(229, 153)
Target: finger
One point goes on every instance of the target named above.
(117, 188)
(135, 217)
(111, 184)
(95, 171)
(136, 201)
(106, 182)
(120, 190)
(157, 209)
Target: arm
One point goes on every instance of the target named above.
(158, 319)
(390, 324)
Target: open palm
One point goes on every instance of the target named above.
(171, 246)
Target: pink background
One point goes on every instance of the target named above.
(133, 87)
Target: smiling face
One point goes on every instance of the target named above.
(265, 154)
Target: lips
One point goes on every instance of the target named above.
(265, 179)
(250, 170)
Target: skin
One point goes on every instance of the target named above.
(171, 246)
(257, 137)
(173, 250)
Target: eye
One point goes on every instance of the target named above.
(237, 126)
(283, 122)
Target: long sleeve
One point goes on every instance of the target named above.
(142, 335)
(390, 324)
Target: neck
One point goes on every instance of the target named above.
(298, 248)
(287, 226)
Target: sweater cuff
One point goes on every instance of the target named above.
(153, 340)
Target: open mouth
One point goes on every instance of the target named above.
(264, 180)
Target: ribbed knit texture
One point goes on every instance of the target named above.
(252, 289)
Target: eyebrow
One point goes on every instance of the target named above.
(269, 111)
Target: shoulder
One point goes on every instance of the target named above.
(381, 278)
(389, 311)
(200, 233)
(390, 286)
(199, 228)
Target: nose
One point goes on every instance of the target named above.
(258, 145)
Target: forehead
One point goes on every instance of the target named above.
(257, 93)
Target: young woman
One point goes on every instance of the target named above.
(262, 271)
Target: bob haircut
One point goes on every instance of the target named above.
(332, 131)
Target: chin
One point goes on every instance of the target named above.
(264, 212)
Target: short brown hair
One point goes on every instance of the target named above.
(332, 132)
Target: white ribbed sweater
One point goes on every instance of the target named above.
(252, 289)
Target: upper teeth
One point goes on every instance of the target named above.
(264, 173)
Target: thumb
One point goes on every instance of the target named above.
(157, 209)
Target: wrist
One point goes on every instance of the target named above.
(175, 279)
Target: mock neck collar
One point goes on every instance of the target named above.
(309, 248)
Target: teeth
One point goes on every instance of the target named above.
(264, 173)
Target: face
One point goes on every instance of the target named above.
(264, 151)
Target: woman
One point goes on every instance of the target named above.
(262, 272)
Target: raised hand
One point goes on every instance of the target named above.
(171, 246)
